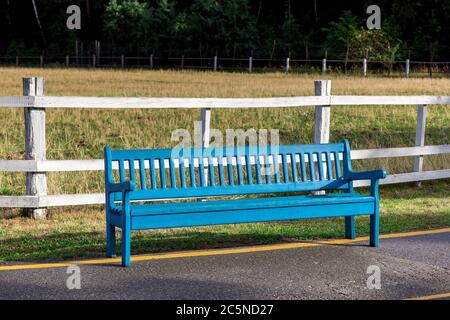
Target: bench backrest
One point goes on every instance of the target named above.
(170, 173)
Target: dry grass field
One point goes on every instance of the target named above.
(82, 134)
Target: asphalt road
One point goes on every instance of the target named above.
(409, 267)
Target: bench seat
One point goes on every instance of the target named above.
(246, 204)
(200, 213)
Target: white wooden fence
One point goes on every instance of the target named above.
(96, 60)
(36, 165)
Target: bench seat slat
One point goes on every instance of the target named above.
(254, 203)
(240, 215)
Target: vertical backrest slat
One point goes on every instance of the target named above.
(152, 172)
(121, 171)
(267, 169)
(337, 165)
(131, 169)
(142, 175)
(312, 172)
(320, 165)
(201, 172)
(221, 172)
(248, 165)
(258, 169)
(212, 179)
(182, 173)
(276, 167)
(239, 169)
(162, 173)
(285, 168)
(294, 168)
(192, 172)
(173, 180)
(230, 170)
(302, 166)
(329, 168)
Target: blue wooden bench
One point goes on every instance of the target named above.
(135, 176)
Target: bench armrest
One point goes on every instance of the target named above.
(121, 187)
(125, 188)
(366, 175)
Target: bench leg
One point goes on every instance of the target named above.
(110, 241)
(374, 227)
(350, 227)
(126, 239)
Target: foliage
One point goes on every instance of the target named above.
(230, 28)
(373, 45)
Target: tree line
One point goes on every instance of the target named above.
(309, 29)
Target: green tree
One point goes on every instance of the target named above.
(340, 34)
(374, 45)
(124, 22)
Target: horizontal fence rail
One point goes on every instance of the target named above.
(36, 198)
(196, 103)
(98, 164)
(99, 198)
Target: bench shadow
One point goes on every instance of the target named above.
(92, 245)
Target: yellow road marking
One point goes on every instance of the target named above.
(212, 252)
(434, 296)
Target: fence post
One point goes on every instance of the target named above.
(322, 113)
(122, 61)
(41, 61)
(67, 61)
(420, 137)
(365, 67)
(215, 63)
(288, 66)
(97, 50)
(151, 61)
(206, 128)
(321, 118)
(17, 61)
(94, 63)
(324, 66)
(182, 61)
(76, 52)
(407, 69)
(250, 64)
(35, 149)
